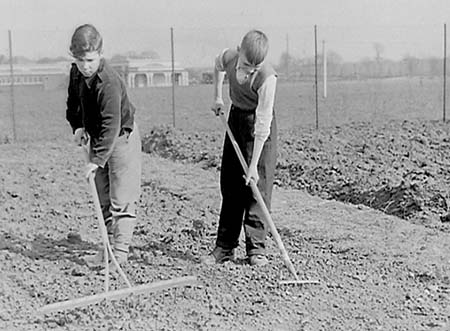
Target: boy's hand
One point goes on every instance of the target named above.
(80, 136)
(218, 107)
(252, 174)
(90, 168)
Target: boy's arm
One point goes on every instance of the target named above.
(263, 121)
(73, 113)
(109, 100)
(219, 75)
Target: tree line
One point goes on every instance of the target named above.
(19, 59)
(296, 68)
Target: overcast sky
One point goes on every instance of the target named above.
(203, 27)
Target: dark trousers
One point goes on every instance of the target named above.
(239, 207)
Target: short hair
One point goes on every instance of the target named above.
(255, 46)
(85, 39)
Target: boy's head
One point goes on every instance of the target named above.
(252, 52)
(86, 47)
(85, 39)
(255, 46)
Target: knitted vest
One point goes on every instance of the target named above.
(244, 96)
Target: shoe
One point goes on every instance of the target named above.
(120, 255)
(218, 255)
(99, 258)
(257, 260)
(121, 258)
(95, 260)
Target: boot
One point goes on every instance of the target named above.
(218, 255)
(99, 258)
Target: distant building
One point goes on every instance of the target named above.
(148, 72)
(49, 75)
(135, 72)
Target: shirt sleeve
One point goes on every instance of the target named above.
(219, 63)
(109, 101)
(73, 110)
(264, 110)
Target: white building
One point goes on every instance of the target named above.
(49, 76)
(135, 72)
(147, 72)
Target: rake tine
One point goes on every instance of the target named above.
(118, 294)
(298, 282)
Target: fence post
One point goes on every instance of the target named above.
(324, 59)
(287, 57)
(173, 77)
(445, 73)
(315, 72)
(11, 69)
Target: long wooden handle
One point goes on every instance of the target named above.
(108, 252)
(104, 234)
(260, 199)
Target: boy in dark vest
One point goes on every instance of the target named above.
(252, 84)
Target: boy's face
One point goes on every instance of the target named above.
(88, 63)
(244, 69)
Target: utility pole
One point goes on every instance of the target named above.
(287, 57)
(324, 59)
(173, 77)
(445, 72)
(11, 69)
(315, 72)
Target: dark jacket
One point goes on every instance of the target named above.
(103, 109)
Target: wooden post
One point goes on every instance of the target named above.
(287, 57)
(315, 72)
(324, 55)
(173, 77)
(11, 69)
(445, 73)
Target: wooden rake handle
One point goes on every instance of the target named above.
(259, 199)
(104, 233)
(108, 252)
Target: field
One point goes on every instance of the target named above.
(352, 101)
(357, 204)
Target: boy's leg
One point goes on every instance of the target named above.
(255, 226)
(233, 189)
(102, 186)
(125, 182)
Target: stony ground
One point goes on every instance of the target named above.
(377, 269)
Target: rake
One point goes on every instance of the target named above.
(108, 254)
(266, 213)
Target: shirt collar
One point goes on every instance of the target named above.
(101, 67)
(98, 74)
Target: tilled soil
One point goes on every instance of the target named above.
(400, 167)
(374, 271)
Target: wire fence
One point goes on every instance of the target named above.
(328, 75)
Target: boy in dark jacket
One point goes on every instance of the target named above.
(98, 108)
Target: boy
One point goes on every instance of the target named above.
(98, 108)
(252, 88)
